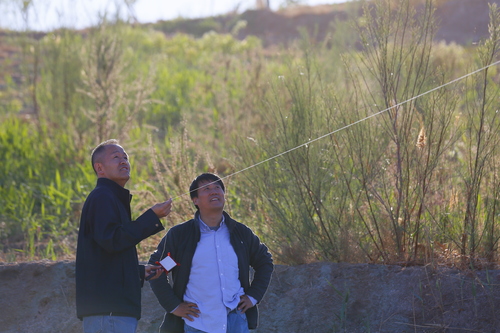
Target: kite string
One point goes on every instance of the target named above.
(351, 124)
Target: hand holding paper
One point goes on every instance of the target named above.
(166, 264)
(153, 272)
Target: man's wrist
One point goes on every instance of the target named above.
(253, 300)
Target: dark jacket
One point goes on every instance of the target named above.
(108, 275)
(181, 241)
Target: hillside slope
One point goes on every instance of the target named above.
(461, 21)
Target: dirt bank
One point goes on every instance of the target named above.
(322, 297)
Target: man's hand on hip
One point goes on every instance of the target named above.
(187, 311)
(245, 303)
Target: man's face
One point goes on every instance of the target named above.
(113, 164)
(210, 197)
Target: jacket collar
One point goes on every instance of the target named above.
(120, 192)
(227, 219)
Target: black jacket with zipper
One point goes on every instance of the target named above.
(108, 275)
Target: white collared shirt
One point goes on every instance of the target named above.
(213, 283)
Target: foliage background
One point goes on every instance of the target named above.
(360, 147)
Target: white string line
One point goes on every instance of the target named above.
(349, 125)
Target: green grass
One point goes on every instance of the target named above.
(183, 105)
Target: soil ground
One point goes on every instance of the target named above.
(321, 297)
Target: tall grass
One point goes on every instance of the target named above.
(416, 183)
(41, 191)
(383, 184)
(407, 141)
(480, 142)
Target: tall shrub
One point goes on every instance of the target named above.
(481, 137)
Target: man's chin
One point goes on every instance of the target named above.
(125, 179)
(219, 205)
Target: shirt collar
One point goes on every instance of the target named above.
(206, 228)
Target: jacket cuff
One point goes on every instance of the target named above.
(142, 274)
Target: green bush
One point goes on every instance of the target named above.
(341, 151)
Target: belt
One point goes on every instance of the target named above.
(118, 314)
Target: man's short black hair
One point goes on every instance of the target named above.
(203, 178)
(96, 153)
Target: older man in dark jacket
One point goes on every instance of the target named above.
(108, 275)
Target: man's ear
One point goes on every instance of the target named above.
(195, 201)
(98, 167)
